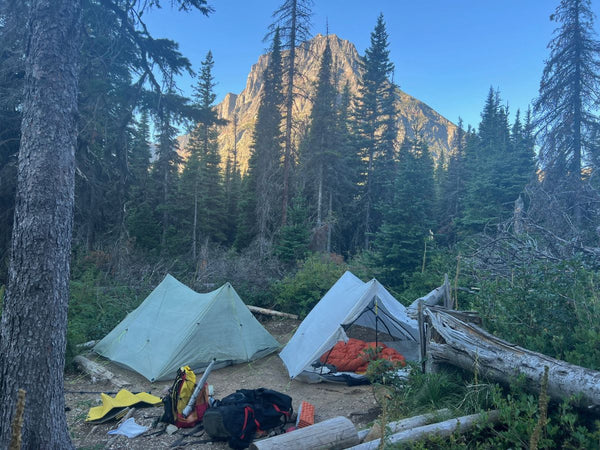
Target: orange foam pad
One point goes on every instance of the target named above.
(306, 416)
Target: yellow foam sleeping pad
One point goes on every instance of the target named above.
(115, 407)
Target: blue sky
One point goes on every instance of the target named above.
(447, 53)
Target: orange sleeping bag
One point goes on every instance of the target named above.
(348, 356)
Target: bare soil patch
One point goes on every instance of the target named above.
(330, 400)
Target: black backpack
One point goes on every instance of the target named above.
(239, 416)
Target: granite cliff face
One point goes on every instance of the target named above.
(242, 108)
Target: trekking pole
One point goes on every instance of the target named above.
(190, 406)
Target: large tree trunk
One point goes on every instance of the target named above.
(289, 106)
(34, 319)
(467, 346)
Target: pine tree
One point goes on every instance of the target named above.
(293, 237)
(566, 111)
(202, 185)
(292, 24)
(165, 170)
(260, 194)
(38, 285)
(344, 212)
(485, 201)
(140, 220)
(373, 116)
(498, 163)
(399, 243)
(319, 150)
(452, 190)
(233, 183)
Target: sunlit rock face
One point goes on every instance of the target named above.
(240, 110)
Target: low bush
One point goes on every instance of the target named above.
(552, 308)
(300, 292)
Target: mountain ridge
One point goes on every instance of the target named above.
(413, 115)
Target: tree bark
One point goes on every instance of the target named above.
(34, 319)
(471, 348)
(289, 106)
(441, 429)
(336, 433)
(406, 424)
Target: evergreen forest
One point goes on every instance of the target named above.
(511, 212)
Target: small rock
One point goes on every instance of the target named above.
(171, 429)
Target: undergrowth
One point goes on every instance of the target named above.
(522, 414)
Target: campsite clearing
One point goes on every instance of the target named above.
(330, 400)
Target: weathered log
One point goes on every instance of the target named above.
(467, 346)
(433, 298)
(406, 424)
(440, 429)
(96, 371)
(271, 312)
(336, 433)
(88, 344)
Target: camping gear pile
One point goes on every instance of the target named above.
(237, 418)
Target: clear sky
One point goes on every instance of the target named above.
(447, 53)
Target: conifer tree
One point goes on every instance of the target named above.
(484, 198)
(202, 184)
(399, 243)
(372, 114)
(344, 212)
(292, 23)
(293, 237)
(165, 168)
(452, 190)
(498, 165)
(259, 209)
(319, 150)
(140, 220)
(566, 111)
(233, 186)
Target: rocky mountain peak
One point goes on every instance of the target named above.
(241, 109)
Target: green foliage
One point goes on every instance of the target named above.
(552, 308)
(300, 292)
(293, 238)
(96, 302)
(400, 242)
(259, 203)
(381, 370)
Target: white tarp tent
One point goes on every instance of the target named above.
(350, 301)
(177, 326)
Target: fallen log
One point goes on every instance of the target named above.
(97, 372)
(271, 312)
(436, 296)
(336, 433)
(406, 424)
(440, 429)
(471, 348)
(88, 344)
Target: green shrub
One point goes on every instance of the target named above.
(300, 292)
(552, 308)
(96, 305)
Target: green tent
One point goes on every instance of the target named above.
(176, 326)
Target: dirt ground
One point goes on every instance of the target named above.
(330, 400)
